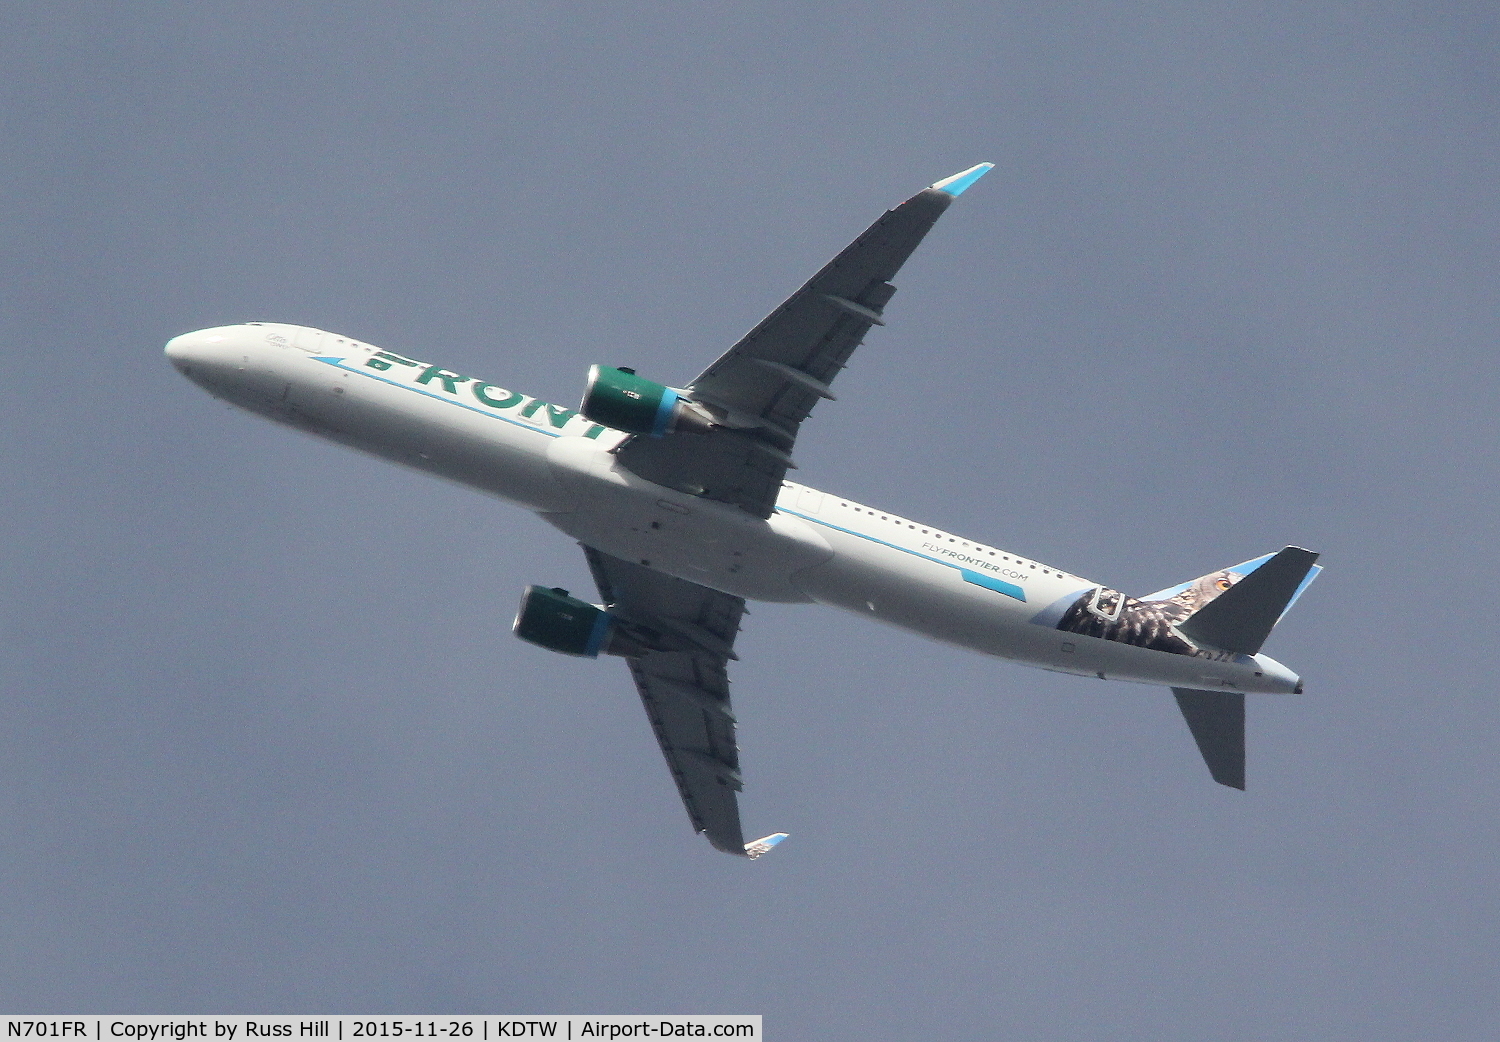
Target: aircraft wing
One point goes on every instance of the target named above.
(767, 384)
(685, 687)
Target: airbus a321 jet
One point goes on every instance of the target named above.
(680, 499)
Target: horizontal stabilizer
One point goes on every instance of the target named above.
(1240, 619)
(1217, 720)
(764, 845)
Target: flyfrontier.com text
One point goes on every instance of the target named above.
(322, 1028)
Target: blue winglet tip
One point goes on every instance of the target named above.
(764, 845)
(959, 182)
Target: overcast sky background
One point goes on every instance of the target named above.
(267, 744)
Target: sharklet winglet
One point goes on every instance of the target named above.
(956, 185)
(764, 845)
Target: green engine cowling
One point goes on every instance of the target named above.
(551, 619)
(618, 398)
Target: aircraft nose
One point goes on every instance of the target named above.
(178, 350)
(201, 350)
(240, 364)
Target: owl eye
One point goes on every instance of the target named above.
(1223, 584)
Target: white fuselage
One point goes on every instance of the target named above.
(815, 547)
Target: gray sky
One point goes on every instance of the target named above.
(267, 743)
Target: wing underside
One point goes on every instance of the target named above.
(684, 686)
(757, 395)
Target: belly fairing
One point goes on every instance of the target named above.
(705, 542)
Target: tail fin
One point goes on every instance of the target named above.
(1234, 610)
(1241, 617)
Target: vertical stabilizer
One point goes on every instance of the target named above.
(1240, 619)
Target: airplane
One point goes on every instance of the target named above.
(680, 499)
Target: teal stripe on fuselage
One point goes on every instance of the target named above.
(969, 575)
(338, 363)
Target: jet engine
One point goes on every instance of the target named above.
(618, 398)
(550, 618)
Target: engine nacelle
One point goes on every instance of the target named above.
(553, 620)
(618, 398)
